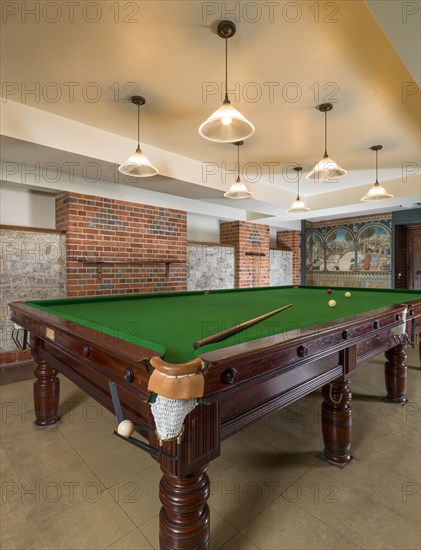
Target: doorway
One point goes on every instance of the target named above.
(408, 256)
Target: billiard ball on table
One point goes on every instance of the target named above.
(347, 295)
(332, 303)
(329, 291)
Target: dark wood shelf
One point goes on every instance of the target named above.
(100, 263)
(255, 254)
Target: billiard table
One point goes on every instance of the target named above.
(141, 343)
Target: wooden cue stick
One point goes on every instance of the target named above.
(233, 330)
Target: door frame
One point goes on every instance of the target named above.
(402, 217)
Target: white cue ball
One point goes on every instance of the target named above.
(125, 428)
(347, 295)
(332, 303)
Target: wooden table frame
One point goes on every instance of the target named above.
(243, 383)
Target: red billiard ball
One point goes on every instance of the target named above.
(329, 291)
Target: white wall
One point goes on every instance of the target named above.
(203, 229)
(24, 207)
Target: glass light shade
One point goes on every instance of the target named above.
(376, 193)
(138, 166)
(298, 206)
(326, 170)
(238, 190)
(226, 125)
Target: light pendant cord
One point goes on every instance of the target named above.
(138, 127)
(238, 162)
(377, 166)
(326, 134)
(298, 184)
(226, 100)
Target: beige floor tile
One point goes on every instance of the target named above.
(84, 435)
(132, 541)
(332, 501)
(32, 438)
(19, 390)
(380, 527)
(358, 474)
(115, 461)
(346, 544)
(33, 466)
(239, 542)
(218, 466)
(220, 530)
(16, 512)
(87, 525)
(60, 491)
(381, 454)
(285, 525)
(150, 530)
(239, 497)
(138, 495)
(4, 459)
(17, 409)
(402, 494)
(26, 537)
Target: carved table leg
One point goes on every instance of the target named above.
(184, 517)
(396, 374)
(419, 347)
(337, 422)
(46, 390)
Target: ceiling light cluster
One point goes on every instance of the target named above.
(227, 125)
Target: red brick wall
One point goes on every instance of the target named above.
(248, 238)
(291, 240)
(108, 229)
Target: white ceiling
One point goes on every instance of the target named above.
(172, 55)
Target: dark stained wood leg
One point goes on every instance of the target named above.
(419, 347)
(46, 390)
(396, 374)
(337, 422)
(184, 517)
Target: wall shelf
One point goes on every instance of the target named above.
(101, 263)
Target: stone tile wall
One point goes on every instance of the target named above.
(280, 267)
(210, 266)
(32, 266)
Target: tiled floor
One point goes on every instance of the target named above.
(74, 485)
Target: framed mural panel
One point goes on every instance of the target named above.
(354, 252)
(374, 249)
(340, 250)
(315, 260)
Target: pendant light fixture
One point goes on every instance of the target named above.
(298, 205)
(226, 125)
(238, 190)
(138, 166)
(326, 169)
(376, 192)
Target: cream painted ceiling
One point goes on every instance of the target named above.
(291, 56)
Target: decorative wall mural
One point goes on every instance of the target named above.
(374, 249)
(348, 247)
(314, 251)
(340, 250)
